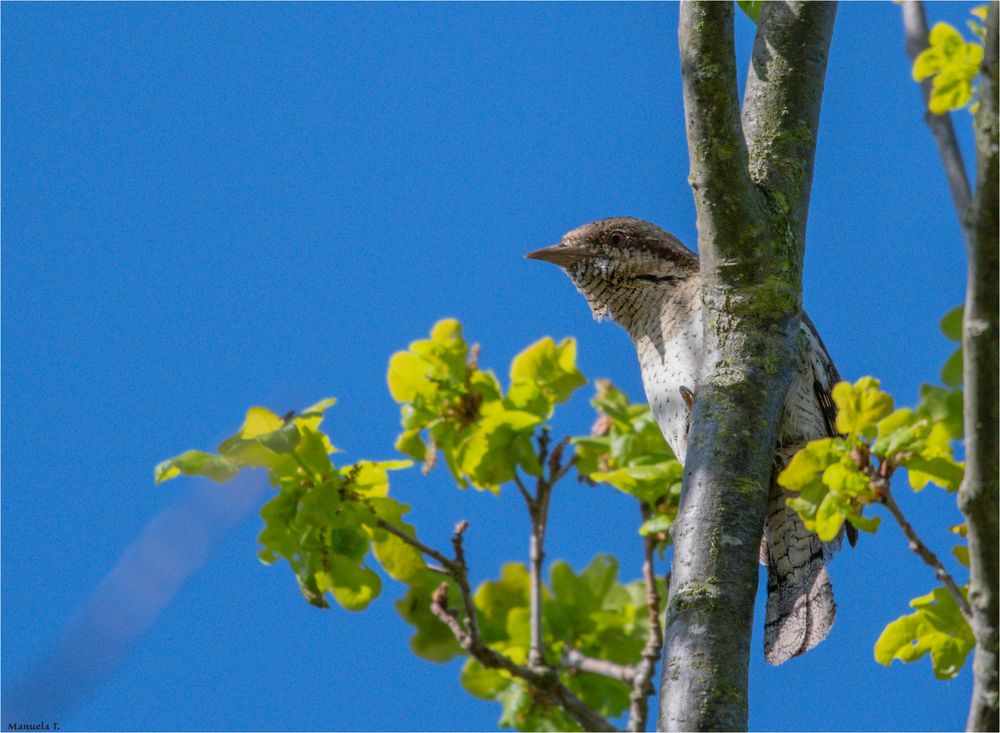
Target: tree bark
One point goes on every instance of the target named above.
(751, 183)
(978, 495)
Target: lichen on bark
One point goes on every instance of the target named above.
(750, 178)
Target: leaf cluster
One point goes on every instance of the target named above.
(336, 526)
(590, 612)
(627, 451)
(952, 64)
(323, 520)
(452, 406)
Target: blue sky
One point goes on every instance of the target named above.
(207, 207)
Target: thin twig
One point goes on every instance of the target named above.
(449, 565)
(925, 553)
(545, 681)
(525, 494)
(461, 576)
(642, 684)
(570, 464)
(538, 508)
(941, 127)
(574, 661)
(466, 632)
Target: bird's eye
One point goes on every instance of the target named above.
(616, 238)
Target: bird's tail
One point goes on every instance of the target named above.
(800, 606)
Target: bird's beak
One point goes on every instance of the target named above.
(560, 254)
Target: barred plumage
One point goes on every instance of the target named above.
(648, 282)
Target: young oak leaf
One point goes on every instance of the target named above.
(196, 463)
(860, 406)
(936, 627)
(551, 367)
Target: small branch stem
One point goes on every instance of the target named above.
(446, 563)
(466, 632)
(538, 508)
(642, 684)
(525, 494)
(575, 661)
(544, 680)
(925, 553)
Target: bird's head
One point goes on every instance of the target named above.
(616, 262)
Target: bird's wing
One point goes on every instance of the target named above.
(825, 375)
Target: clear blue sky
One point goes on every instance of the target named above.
(207, 207)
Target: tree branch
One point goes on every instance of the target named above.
(545, 681)
(719, 179)
(781, 103)
(751, 223)
(466, 632)
(925, 553)
(642, 685)
(446, 563)
(575, 661)
(941, 127)
(978, 496)
(539, 510)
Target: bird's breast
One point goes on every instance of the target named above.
(668, 363)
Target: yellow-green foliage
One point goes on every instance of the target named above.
(952, 64)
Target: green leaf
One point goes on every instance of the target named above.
(831, 488)
(552, 368)
(937, 626)
(951, 89)
(409, 443)
(860, 406)
(408, 377)
(495, 600)
(845, 478)
(259, 421)
(941, 470)
(607, 696)
(527, 711)
(951, 373)
(353, 586)
(902, 431)
(951, 323)
(577, 597)
(196, 463)
(400, 560)
(371, 478)
(943, 406)
(432, 640)
(656, 524)
(483, 682)
(807, 466)
(830, 516)
(647, 483)
(935, 462)
(530, 397)
(929, 62)
(277, 538)
(488, 457)
(313, 451)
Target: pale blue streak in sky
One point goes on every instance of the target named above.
(207, 207)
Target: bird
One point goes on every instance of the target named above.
(643, 278)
